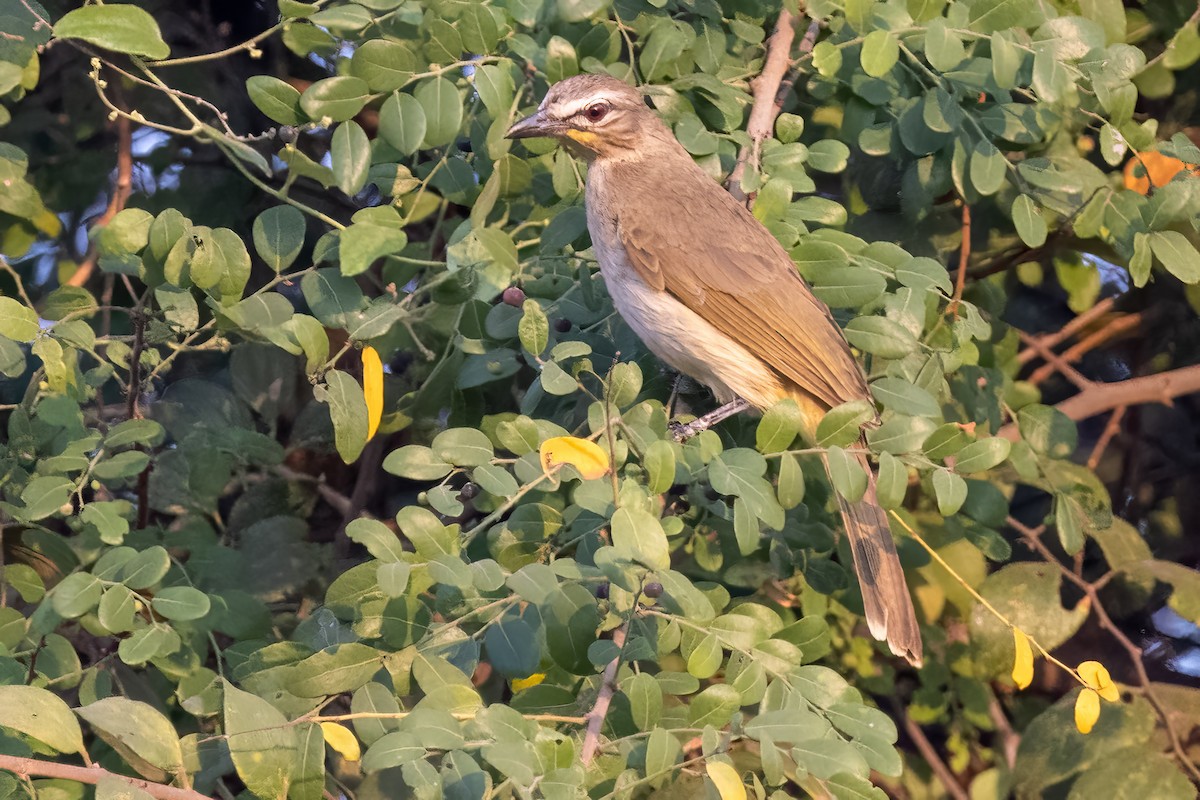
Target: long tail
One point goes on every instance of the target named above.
(890, 615)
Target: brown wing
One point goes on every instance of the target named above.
(719, 261)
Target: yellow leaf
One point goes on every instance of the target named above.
(1096, 676)
(583, 455)
(519, 684)
(1152, 168)
(1087, 710)
(341, 740)
(1022, 673)
(726, 779)
(372, 388)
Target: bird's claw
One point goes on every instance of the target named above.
(681, 432)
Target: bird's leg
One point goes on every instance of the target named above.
(684, 432)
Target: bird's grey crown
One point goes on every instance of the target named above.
(568, 97)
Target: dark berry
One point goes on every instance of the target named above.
(653, 590)
(514, 296)
(562, 324)
(288, 134)
(602, 591)
(468, 491)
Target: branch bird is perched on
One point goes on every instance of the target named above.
(714, 295)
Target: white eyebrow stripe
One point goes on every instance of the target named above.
(578, 106)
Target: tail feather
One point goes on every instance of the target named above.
(889, 608)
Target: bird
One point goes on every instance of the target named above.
(715, 296)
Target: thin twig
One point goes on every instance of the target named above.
(964, 255)
(1056, 361)
(1010, 740)
(608, 686)
(943, 773)
(121, 191)
(1110, 430)
(34, 768)
(1068, 330)
(1118, 327)
(764, 111)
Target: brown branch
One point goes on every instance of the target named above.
(608, 687)
(943, 773)
(35, 768)
(1010, 740)
(1110, 430)
(1084, 319)
(764, 110)
(1056, 361)
(964, 255)
(121, 192)
(1115, 329)
(1100, 397)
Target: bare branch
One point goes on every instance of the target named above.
(121, 191)
(34, 768)
(608, 687)
(769, 92)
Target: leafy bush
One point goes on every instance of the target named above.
(215, 566)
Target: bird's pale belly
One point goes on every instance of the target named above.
(685, 341)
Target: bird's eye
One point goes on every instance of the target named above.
(595, 112)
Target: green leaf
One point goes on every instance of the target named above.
(639, 536)
(361, 244)
(117, 27)
(828, 155)
(334, 670)
(880, 52)
(279, 100)
(181, 603)
(985, 17)
(40, 715)
(659, 463)
(846, 474)
(1030, 224)
(443, 111)
(416, 462)
(261, 743)
(1048, 431)
(842, 424)
(347, 410)
(778, 427)
(881, 336)
(378, 538)
(279, 236)
(534, 328)
(982, 455)
(1006, 61)
(714, 706)
(464, 447)
(402, 122)
(943, 47)
(824, 758)
(1176, 254)
(334, 299)
(904, 397)
(571, 618)
(950, 489)
(1068, 521)
(393, 750)
(338, 98)
(385, 65)
(791, 482)
(989, 168)
(513, 647)
(892, 482)
(136, 730)
(17, 321)
(350, 156)
(44, 496)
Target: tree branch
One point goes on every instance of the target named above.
(964, 255)
(121, 192)
(1100, 397)
(768, 87)
(608, 687)
(34, 768)
(943, 773)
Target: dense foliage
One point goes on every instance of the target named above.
(216, 574)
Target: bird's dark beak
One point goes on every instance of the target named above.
(534, 125)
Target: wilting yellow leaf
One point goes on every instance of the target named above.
(1152, 168)
(583, 455)
(341, 740)
(519, 684)
(726, 779)
(1096, 676)
(1022, 673)
(372, 388)
(1087, 710)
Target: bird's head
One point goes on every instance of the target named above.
(596, 116)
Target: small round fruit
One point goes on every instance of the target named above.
(653, 590)
(514, 296)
